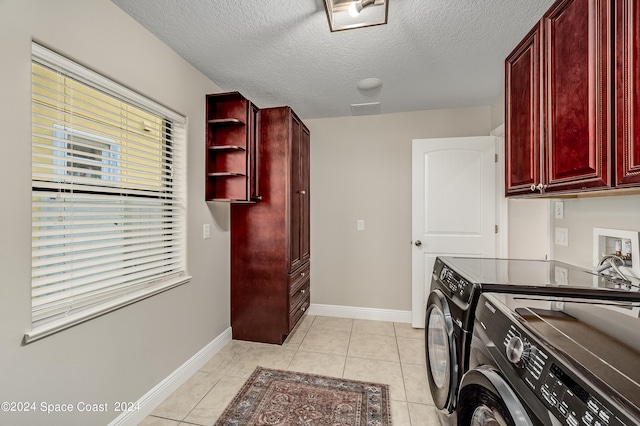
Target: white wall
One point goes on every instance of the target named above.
(528, 229)
(122, 355)
(361, 169)
(581, 215)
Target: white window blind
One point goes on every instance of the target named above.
(108, 188)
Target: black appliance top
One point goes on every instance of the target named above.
(600, 339)
(541, 277)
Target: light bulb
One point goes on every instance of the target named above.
(353, 10)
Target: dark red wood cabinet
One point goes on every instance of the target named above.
(577, 95)
(563, 143)
(627, 93)
(231, 141)
(522, 115)
(270, 240)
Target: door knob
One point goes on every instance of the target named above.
(418, 243)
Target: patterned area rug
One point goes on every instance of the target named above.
(287, 398)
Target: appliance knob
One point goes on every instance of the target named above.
(518, 351)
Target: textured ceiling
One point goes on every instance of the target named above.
(432, 53)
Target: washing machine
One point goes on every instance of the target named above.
(539, 360)
(456, 286)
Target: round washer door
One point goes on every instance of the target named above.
(486, 399)
(440, 345)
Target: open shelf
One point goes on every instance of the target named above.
(226, 148)
(226, 174)
(231, 142)
(225, 122)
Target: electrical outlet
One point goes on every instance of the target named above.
(561, 275)
(360, 225)
(558, 208)
(206, 231)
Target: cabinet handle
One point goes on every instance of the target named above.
(303, 274)
(540, 187)
(303, 309)
(303, 192)
(303, 291)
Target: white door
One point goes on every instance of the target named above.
(453, 206)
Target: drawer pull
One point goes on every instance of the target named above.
(303, 291)
(303, 274)
(303, 309)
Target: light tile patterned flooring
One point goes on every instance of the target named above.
(376, 351)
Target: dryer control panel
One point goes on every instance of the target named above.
(524, 357)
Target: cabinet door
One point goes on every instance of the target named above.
(522, 111)
(305, 241)
(627, 93)
(577, 95)
(295, 195)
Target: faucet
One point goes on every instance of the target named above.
(612, 259)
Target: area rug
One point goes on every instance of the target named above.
(287, 398)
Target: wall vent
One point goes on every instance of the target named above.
(371, 108)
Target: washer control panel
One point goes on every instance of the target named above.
(565, 394)
(457, 286)
(572, 402)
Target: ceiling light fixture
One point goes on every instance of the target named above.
(356, 7)
(350, 14)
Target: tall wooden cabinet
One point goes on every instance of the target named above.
(270, 240)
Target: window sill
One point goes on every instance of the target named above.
(53, 327)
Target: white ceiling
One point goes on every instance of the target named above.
(432, 54)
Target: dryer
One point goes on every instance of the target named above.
(540, 360)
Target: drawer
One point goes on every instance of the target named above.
(296, 314)
(296, 299)
(298, 278)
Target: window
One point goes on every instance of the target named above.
(93, 153)
(108, 188)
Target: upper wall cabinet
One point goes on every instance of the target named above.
(627, 93)
(558, 137)
(522, 115)
(577, 95)
(231, 163)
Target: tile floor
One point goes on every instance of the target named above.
(377, 351)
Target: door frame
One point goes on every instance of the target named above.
(502, 204)
(502, 222)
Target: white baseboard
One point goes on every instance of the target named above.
(360, 313)
(166, 387)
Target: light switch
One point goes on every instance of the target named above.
(562, 236)
(360, 225)
(206, 231)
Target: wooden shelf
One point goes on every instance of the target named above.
(230, 148)
(226, 148)
(225, 174)
(225, 122)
